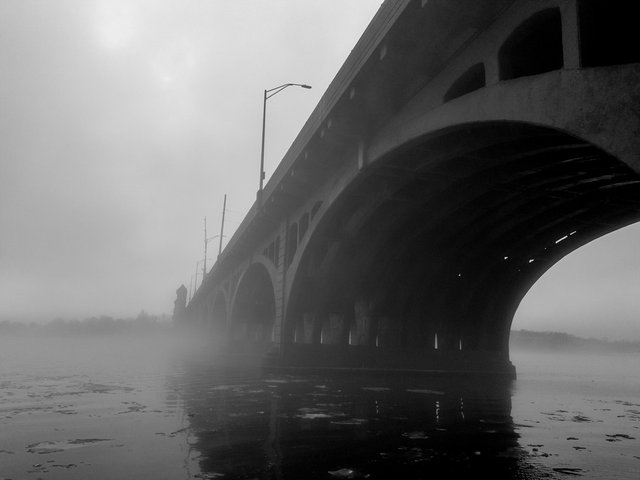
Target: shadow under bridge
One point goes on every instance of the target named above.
(423, 260)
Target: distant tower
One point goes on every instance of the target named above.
(180, 305)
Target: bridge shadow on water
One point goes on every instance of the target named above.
(275, 426)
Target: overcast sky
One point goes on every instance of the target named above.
(124, 122)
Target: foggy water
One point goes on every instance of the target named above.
(162, 408)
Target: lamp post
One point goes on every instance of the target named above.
(191, 289)
(267, 95)
(207, 239)
(220, 243)
(224, 209)
(196, 274)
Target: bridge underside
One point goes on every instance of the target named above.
(423, 262)
(457, 155)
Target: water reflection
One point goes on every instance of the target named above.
(288, 427)
(136, 408)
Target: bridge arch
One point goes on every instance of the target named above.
(596, 104)
(219, 314)
(434, 246)
(447, 174)
(253, 313)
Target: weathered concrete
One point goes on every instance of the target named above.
(462, 150)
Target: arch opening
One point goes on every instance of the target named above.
(608, 33)
(590, 294)
(254, 308)
(534, 47)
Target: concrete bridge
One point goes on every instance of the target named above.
(463, 148)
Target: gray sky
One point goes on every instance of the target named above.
(124, 122)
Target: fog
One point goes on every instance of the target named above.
(125, 122)
(592, 292)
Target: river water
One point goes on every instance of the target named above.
(162, 407)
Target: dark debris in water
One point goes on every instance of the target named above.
(522, 425)
(102, 388)
(581, 418)
(60, 446)
(618, 437)
(133, 407)
(173, 434)
(417, 435)
(569, 471)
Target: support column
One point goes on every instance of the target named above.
(362, 330)
(388, 332)
(571, 35)
(449, 336)
(279, 290)
(334, 330)
(492, 69)
(308, 328)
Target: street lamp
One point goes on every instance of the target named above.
(267, 95)
(207, 239)
(219, 244)
(191, 288)
(203, 273)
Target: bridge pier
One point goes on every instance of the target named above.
(334, 330)
(388, 334)
(308, 330)
(368, 340)
(363, 330)
(361, 358)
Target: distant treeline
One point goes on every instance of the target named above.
(103, 324)
(558, 341)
